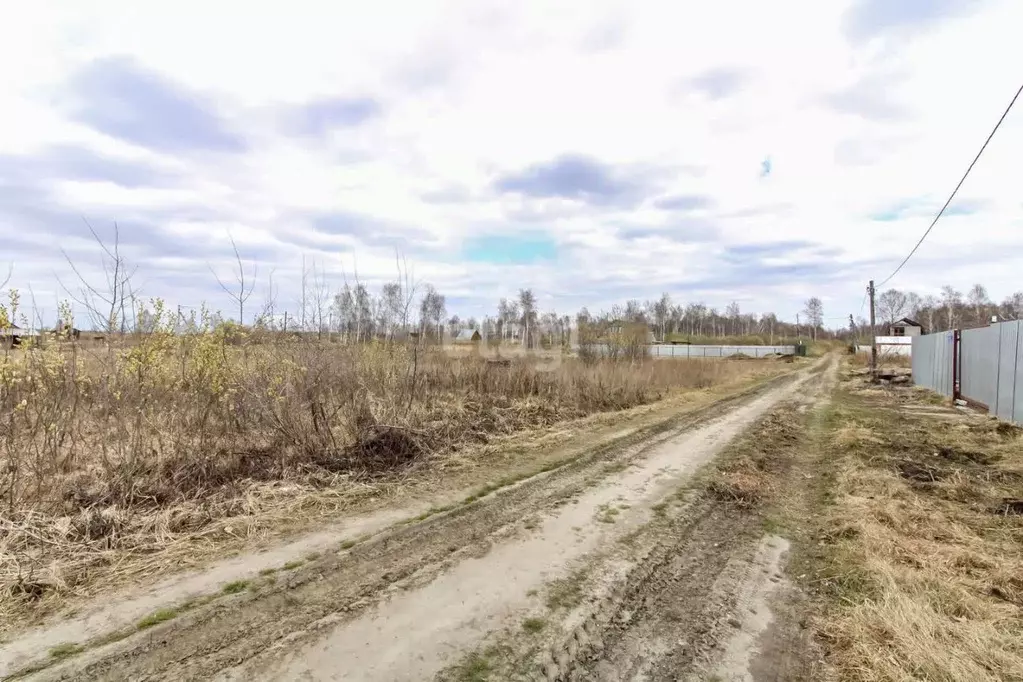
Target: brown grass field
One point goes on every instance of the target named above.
(121, 459)
(917, 556)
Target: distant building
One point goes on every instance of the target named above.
(14, 335)
(467, 336)
(906, 327)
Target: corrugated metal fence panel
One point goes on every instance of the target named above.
(990, 364)
(692, 351)
(945, 359)
(1008, 341)
(932, 362)
(979, 355)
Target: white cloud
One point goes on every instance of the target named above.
(468, 92)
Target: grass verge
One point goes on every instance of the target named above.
(917, 556)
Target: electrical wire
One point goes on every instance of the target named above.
(952, 196)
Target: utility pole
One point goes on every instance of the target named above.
(799, 337)
(873, 335)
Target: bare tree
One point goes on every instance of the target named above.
(406, 293)
(267, 315)
(929, 306)
(343, 312)
(363, 306)
(1012, 306)
(108, 305)
(814, 311)
(662, 309)
(732, 313)
(245, 283)
(454, 324)
(321, 299)
(979, 301)
(10, 273)
(914, 305)
(891, 305)
(431, 311)
(527, 305)
(951, 300)
(390, 307)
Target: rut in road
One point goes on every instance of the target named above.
(705, 596)
(409, 603)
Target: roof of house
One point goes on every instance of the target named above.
(15, 330)
(467, 334)
(908, 322)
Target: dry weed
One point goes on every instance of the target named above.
(925, 578)
(150, 445)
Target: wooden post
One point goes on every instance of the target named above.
(873, 332)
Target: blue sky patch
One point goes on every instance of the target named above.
(869, 18)
(509, 249)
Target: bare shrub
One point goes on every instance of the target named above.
(123, 443)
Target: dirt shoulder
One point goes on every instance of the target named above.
(572, 455)
(914, 552)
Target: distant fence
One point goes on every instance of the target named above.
(890, 345)
(983, 366)
(681, 350)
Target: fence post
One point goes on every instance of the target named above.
(1015, 370)
(956, 367)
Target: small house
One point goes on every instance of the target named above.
(467, 336)
(14, 335)
(906, 327)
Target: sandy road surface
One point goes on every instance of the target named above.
(414, 603)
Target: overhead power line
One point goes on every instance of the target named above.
(961, 181)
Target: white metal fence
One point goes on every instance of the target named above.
(680, 350)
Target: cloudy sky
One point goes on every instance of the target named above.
(594, 151)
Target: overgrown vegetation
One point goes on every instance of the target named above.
(157, 617)
(920, 560)
(134, 442)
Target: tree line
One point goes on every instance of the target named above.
(950, 309)
(404, 307)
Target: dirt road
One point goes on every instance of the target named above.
(605, 568)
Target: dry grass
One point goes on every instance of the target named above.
(750, 472)
(922, 556)
(119, 459)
